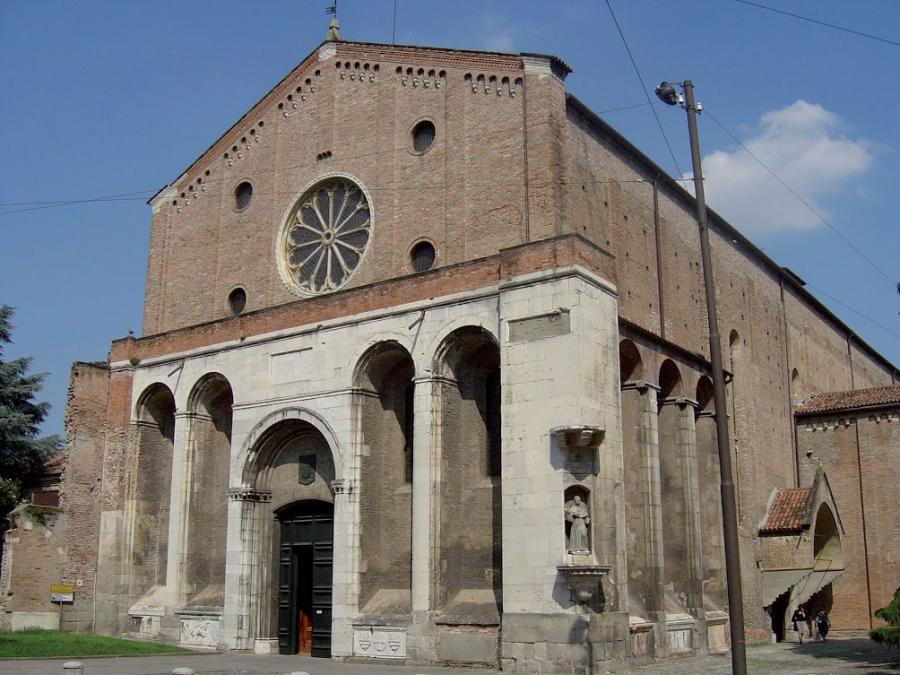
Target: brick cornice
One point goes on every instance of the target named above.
(563, 251)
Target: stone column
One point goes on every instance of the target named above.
(424, 479)
(178, 506)
(247, 565)
(683, 564)
(644, 498)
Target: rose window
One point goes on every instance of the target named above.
(325, 236)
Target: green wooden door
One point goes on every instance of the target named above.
(305, 576)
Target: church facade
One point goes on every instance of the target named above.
(424, 376)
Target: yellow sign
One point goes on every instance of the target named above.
(62, 592)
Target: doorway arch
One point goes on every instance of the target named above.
(305, 559)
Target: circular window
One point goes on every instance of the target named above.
(325, 236)
(421, 256)
(243, 193)
(423, 135)
(237, 300)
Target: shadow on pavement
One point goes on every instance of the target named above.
(859, 652)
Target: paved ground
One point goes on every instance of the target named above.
(838, 656)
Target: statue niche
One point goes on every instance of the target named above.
(577, 520)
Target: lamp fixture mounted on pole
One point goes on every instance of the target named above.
(669, 94)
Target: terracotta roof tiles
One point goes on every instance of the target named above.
(846, 400)
(787, 512)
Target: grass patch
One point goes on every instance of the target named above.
(54, 643)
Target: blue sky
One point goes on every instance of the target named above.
(111, 97)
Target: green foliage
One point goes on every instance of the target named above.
(888, 635)
(35, 642)
(22, 452)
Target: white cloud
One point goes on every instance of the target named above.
(802, 145)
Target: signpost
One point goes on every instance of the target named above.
(62, 593)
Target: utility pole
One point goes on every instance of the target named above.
(668, 95)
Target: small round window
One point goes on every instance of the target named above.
(421, 256)
(243, 193)
(237, 300)
(423, 135)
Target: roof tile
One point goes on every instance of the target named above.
(844, 400)
(787, 511)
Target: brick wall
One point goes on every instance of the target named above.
(86, 424)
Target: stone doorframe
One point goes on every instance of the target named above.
(251, 531)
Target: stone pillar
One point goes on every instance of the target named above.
(640, 440)
(715, 600)
(683, 564)
(247, 567)
(178, 506)
(425, 464)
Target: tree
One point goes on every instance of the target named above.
(22, 452)
(888, 635)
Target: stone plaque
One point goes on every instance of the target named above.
(200, 631)
(537, 327)
(380, 642)
(307, 473)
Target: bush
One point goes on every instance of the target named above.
(888, 635)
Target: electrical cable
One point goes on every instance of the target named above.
(843, 29)
(855, 311)
(643, 86)
(624, 107)
(800, 198)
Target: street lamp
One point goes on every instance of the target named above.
(669, 94)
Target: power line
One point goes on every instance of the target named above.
(624, 107)
(643, 86)
(843, 29)
(857, 312)
(800, 198)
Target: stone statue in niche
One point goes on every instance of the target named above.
(578, 518)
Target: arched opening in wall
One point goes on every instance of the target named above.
(670, 384)
(734, 364)
(470, 537)
(709, 482)
(384, 396)
(631, 367)
(828, 553)
(207, 512)
(796, 395)
(152, 488)
(641, 481)
(673, 424)
(288, 530)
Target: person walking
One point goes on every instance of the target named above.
(822, 623)
(800, 620)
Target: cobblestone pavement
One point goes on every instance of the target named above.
(838, 656)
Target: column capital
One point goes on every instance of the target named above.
(680, 401)
(640, 385)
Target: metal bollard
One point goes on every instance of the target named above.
(182, 671)
(72, 668)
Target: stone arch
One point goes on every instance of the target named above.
(384, 403)
(435, 352)
(468, 365)
(209, 457)
(631, 366)
(828, 551)
(155, 427)
(290, 458)
(670, 382)
(254, 452)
